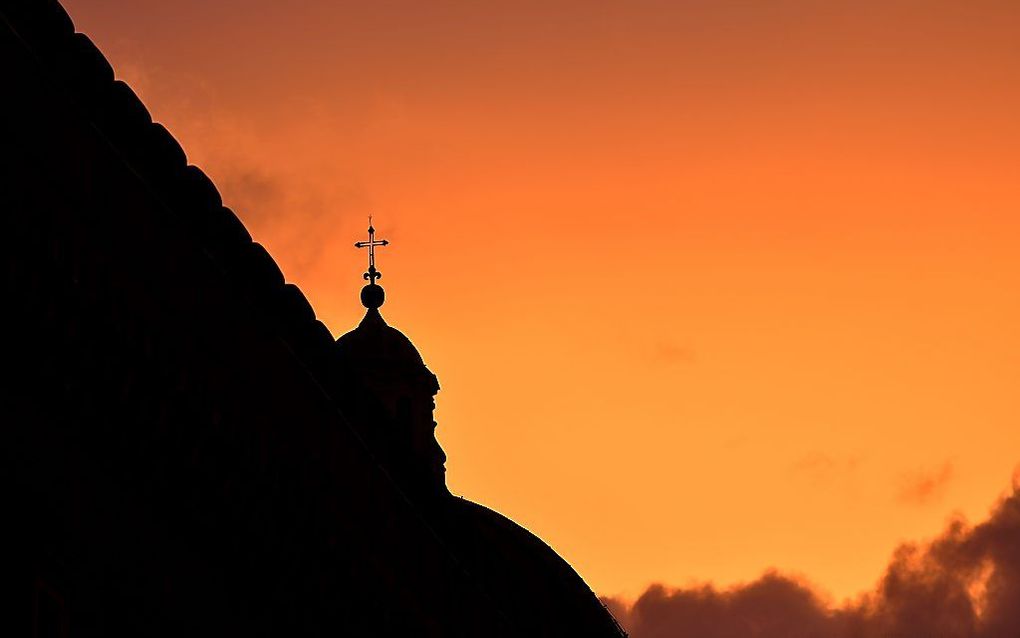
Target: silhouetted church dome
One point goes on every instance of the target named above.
(381, 351)
(540, 589)
(387, 390)
(251, 475)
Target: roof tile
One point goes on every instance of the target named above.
(225, 230)
(195, 193)
(83, 66)
(162, 155)
(263, 271)
(120, 114)
(294, 307)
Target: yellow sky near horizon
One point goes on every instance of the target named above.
(710, 287)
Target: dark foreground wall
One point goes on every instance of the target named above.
(169, 465)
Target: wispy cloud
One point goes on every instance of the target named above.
(819, 467)
(667, 352)
(922, 487)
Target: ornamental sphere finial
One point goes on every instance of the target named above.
(373, 296)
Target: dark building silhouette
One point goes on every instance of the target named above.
(186, 449)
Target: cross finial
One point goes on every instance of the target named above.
(372, 242)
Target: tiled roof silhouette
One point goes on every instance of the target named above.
(158, 160)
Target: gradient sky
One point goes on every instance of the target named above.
(710, 287)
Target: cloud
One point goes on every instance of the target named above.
(818, 467)
(250, 189)
(294, 218)
(964, 584)
(771, 606)
(925, 486)
(670, 353)
(288, 206)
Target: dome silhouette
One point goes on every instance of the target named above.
(378, 349)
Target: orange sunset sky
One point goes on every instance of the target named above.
(711, 287)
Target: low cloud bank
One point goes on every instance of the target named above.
(964, 584)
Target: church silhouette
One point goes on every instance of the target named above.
(187, 450)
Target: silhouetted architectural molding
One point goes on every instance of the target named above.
(390, 391)
(187, 451)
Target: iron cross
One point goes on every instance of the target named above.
(372, 242)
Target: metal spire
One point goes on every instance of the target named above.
(372, 242)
